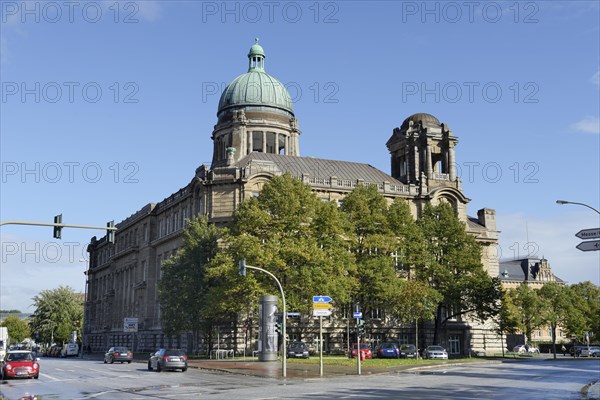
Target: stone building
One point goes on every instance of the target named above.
(256, 137)
(535, 272)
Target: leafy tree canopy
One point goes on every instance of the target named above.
(57, 313)
(18, 329)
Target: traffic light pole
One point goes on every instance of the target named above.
(243, 266)
(58, 225)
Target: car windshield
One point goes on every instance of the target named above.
(174, 353)
(19, 357)
(435, 348)
(389, 346)
(121, 349)
(408, 347)
(363, 346)
(297, 346)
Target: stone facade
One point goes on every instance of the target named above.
(256, 138)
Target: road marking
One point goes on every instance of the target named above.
(49, 377)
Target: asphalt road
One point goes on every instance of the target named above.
(91, 379)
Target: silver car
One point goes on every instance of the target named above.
(165, 359)
(432, 352)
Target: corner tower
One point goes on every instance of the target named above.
(422, 151)
(255, 115)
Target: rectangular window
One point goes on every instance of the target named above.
(454, 344)
(403, 339)
(377, 339)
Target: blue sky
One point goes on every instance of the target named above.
(107, 106)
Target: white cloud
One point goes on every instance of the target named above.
(149, 10)
(588, 124)
(552, 238)
(595, 79)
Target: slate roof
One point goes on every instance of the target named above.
(321, 168)
(523, 269)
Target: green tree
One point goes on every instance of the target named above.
(529, 304)
(454, 268)
(508, 318)
(291, 233)
(183, 287)
(583, 316)
(18, 329)
(58, 312)
(372, 241)
(556, 307)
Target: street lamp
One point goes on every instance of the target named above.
(573, 202)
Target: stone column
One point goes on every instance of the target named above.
(276, 142)
(249, 143)
(429, 163)
(264, 141)
(451, 162)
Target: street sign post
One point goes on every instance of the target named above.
(591, 245)
(322, 299)
(588, 234)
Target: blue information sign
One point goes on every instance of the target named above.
(321, 299)
(358, 314)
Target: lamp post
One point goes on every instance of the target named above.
(574, 202)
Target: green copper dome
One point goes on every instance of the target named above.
(256, 87)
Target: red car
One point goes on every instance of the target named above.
(20, 364)
(364, 349)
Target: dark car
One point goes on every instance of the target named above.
(408, 351)
(297, 350)
(121, 354)
(20, 364)
(165, 359)
(387, 350)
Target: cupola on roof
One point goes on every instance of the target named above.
(426, 120)
(256, 87)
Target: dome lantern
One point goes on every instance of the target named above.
(256, 57)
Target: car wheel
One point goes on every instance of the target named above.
(37, 376)
(112, 360)
(150, 366)
(183, 369)
(104, 360)
(158, 367)
(129, 362)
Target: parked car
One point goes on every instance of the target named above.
(20, 364)
(387, 350)
(408, 351)
(575, 351)
(593, 351)
(70, 349)
(297, 350)
(55, 351)
(364, 349)
(435, 352)
(121, 354)
(165, 359)
(525, 348)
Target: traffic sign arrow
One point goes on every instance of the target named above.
(588, 233)
(591, 245)
(323, 306)
(321, 313)
(321, 299)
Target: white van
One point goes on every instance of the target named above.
(70, 349)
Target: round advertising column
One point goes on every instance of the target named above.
(267, 337)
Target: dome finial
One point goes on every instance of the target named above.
(255, 40)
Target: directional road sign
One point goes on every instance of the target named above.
(358, 314)
(591, 245)
(322, 306)
(320, 312)
(321, 299)
(589, 233)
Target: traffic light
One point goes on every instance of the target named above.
(242, 267)
(110, 233)
(278, 328)
(361, 327)
(57, 229)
